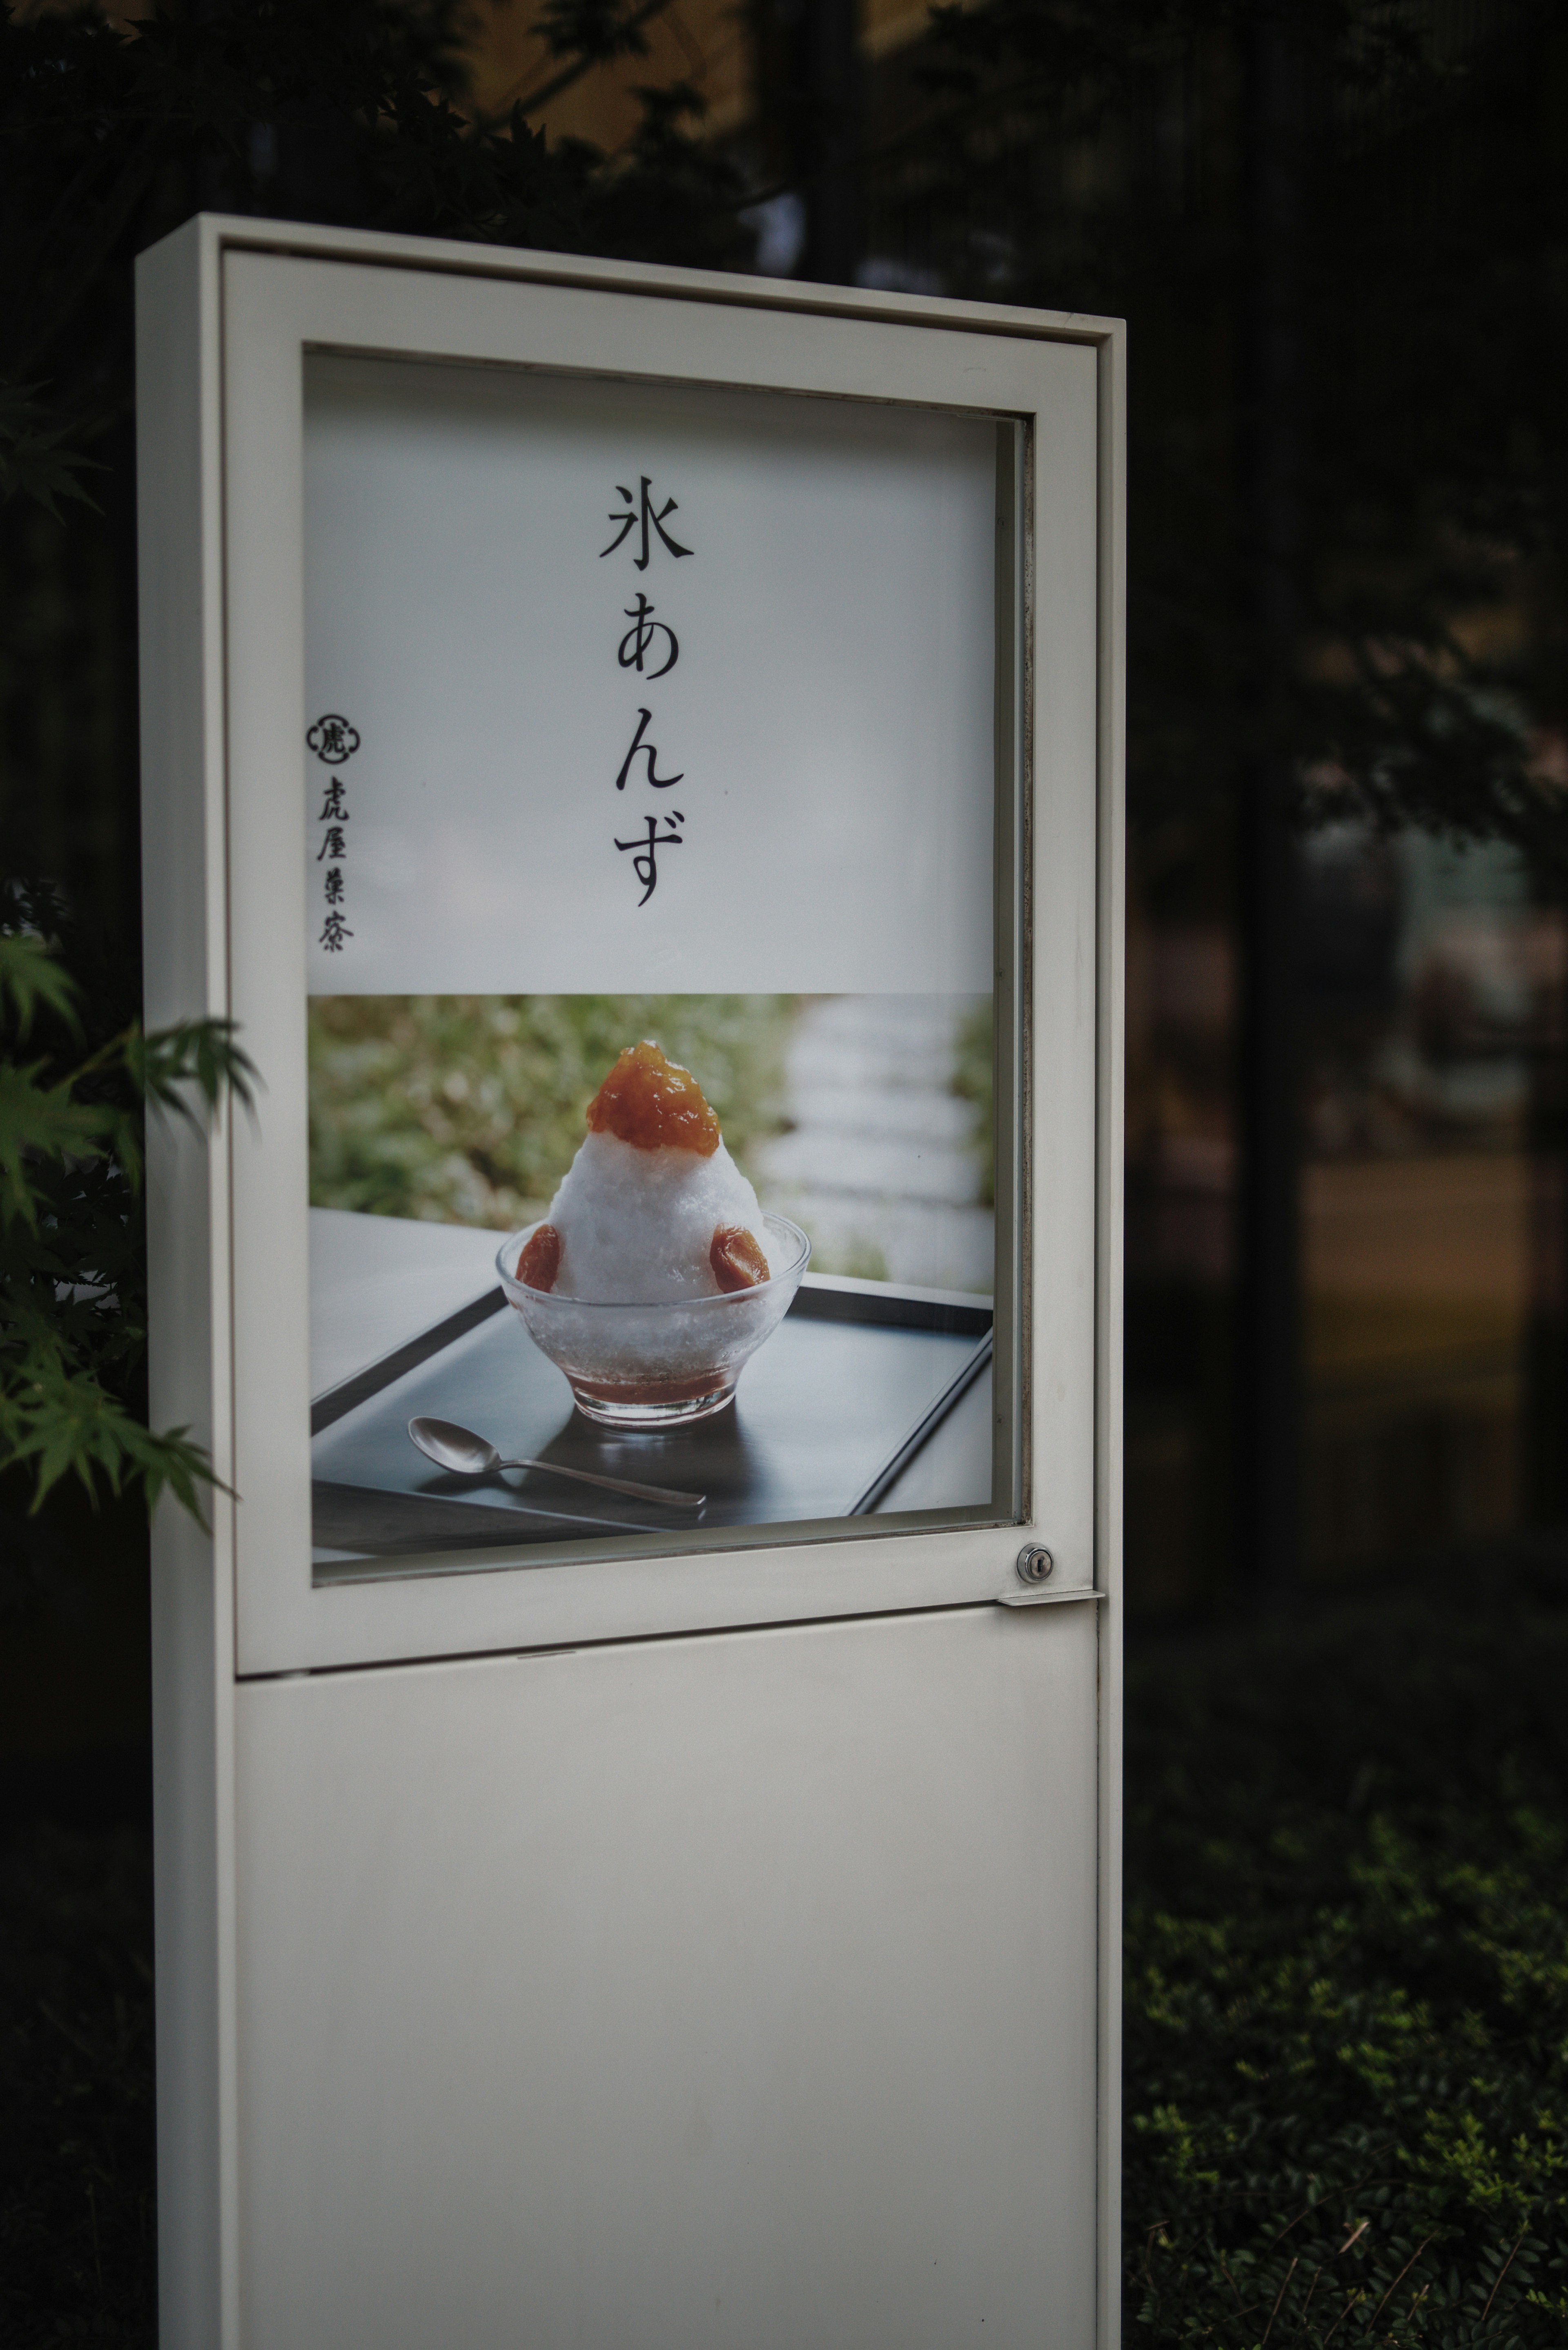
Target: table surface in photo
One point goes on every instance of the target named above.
(851, 1406)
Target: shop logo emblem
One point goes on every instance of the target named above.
(333, 740)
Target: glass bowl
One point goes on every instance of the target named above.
(651, 1367)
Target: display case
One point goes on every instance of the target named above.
(637, 754)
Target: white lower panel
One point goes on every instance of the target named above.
(730, 1992)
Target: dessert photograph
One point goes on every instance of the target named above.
(655, 1274)
(596, 1267)
(652, 1207)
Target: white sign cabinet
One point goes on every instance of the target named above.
(663, 1892)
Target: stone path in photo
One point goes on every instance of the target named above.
(878, 1167)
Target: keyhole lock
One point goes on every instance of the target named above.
(1035, 1564)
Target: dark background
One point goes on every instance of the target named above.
(1340, 236)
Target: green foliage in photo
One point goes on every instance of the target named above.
(468, 1109)
(974, 1081)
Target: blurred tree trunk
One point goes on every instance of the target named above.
(1546, 1330)
(831, 117)
(1269, 1317)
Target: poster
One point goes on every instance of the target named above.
(650, 874)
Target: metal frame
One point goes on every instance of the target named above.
(226, 308)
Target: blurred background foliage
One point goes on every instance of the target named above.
(469, 1109)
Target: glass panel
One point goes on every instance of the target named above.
(654, 874)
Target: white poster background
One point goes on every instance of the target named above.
(830, 714)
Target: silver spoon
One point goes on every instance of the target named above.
(458, 1449)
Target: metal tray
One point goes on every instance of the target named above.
(829, 1413)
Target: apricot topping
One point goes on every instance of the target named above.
(737, 1261)
(650, 1103)
(540, 1260)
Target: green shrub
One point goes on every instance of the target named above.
(73, 1270)
(1347, 1979)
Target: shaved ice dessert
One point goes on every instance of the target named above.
(655, 1274)
(653, 1207)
